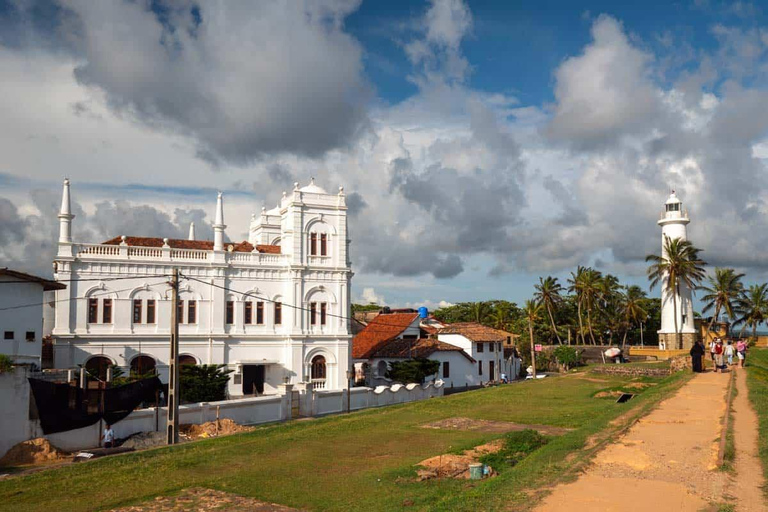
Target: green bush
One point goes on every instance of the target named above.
(6, 363)
(567, 356)
(517, 446)
(203, 383)
(412, 370)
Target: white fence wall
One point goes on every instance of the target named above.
(15, 425)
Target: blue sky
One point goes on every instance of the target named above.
(485, 143)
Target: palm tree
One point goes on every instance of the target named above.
(609, 301)
(591, 292)
(548, 294)
(501, 317)
(576, 285)
(632, 309)
(753, 307)
(531, 313)
(480, 311)
(679, 263)
(724, 289)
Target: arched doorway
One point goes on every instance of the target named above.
(142, 365)
(318, 372)
(186, 359)
(97, 367)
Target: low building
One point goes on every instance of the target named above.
(21, 315)
(486, 345)
(470, 354)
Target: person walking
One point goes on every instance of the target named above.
(712, 345)
(719, 356)
(741, 352)
(697, 354)
(108, 437)
(729, 351)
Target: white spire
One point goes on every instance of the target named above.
(191, 231)
(219, 226)
(65, 215)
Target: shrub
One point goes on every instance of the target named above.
(412, 370)
(517, 446)
(203, 383)
(566, 356)
(6, 363)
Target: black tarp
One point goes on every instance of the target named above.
(62, 407)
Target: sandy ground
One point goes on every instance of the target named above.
(667, 461)
(749, 474)
(203, 500)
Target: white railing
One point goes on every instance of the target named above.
(317, 383)
(319, 260)
(108, 251)
(145, 252)
(98, 250)
(189, 254)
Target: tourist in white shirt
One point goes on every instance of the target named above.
(108, 438)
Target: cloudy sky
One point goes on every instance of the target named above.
(481, 144)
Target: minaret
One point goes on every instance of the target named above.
(218, 225)
(65, 216)
(673, 224)
(191, 231)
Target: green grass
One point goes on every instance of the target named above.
(729, 454)
(360, 461)
(757, 383)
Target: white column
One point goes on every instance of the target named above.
(219, 226)
(65, 216)
(191, 231)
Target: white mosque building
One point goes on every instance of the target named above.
(673, 222)
(274, 308)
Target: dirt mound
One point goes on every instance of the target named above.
(204, 500)
(212, 429)
(609, 394)
(451, 465)
(34, 451)
(495, 427)
(144, 440)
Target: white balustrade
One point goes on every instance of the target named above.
(145, 252)
(98, 250)
(189, 254)
(108, 251)
(318, 384)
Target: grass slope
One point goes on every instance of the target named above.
(757, 383)
(360, 461)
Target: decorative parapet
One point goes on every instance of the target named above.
(107, 252)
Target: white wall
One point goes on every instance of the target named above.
(21, 320)
(15, 425)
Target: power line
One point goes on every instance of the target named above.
(106, 292)
(91, 279)
(293, 306)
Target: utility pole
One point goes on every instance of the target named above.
(172, 426)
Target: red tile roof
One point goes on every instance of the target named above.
(478, 333)
(423, 347)
(47, 284)
(379, 331)
(204, 245)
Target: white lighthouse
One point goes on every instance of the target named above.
(673, 222)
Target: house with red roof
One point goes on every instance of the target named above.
(476, 356)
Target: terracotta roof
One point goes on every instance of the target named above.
(475, 332)
(423, 347)
(379, 331)
(203, 245)
(47, 284)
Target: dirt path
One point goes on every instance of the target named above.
(667, 461)
(749, 480)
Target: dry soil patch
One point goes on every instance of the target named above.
(666, 461)
(451, 465)
(197, 499)
(34, 451)
(495, 427)
(749, 480)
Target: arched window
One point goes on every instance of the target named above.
(142, 365)
(381, 368)
(318, 368)
(186, 359)
(97, 367)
